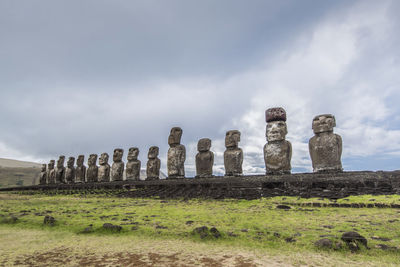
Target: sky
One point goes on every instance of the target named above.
(82, 77)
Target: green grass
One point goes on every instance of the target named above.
(244, 224)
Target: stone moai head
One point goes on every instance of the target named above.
(232, 139)
(51, 164)
(153, 152)
(133, 153)
(323, 123)
(175, 136)
(70, 162)
(60, 162)
(80, 160)
(276, 124)
(92, 160)
(204, 145)
(118, 153)
(103, 160)
(44, 167)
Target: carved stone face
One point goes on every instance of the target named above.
(204, 145)
(92, 160)
(103, 160)
(118, 153)
(43, 167)
(133, 153)
(70, 162)
(51, 164)
(153, 152)
(232, 139)
(60, 162)
(323, 123)
(276, 131)
(80, 160)
(175, 136)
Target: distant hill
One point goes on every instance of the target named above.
(12, 163)
(18, 173)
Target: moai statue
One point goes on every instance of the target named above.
(153, 164)
(233, 155)
(60, 170)
(104, 169)
(92, 170)
(325, 147)
(176, 154)
(80, 171)
(204, 159)
(117, 169)
(51, 172)
(70, 171)
(43, 175)
(133, 164)
(278, 151)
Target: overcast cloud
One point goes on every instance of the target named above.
(81, 77)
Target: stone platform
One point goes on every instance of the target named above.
(327, 185)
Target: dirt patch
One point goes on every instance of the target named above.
(63, 256)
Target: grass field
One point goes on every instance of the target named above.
(160, 232)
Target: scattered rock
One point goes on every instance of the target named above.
(161, 227)
(392, 221)
(11, 219)
(112, 227)
(277, 234)
(49, 220)
(290, 240)
(381, 238)
(328, 226)
(283, 207)
(88, 229)
(232, 234)
(215, 233)
(189, 222)
(324, 243)
(244, 230)
(385, 247)
(202, 231)
(352, 239)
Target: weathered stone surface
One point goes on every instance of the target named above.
(324, 243)
(176, 155)
(277, 151)
(353, 239)
(43, 175)
(70, 171)
(60, 170)
(80, 171)
(117, 169)
(233, 155)
(112, 227)
(325, 147)
(153, 164)
(133, 164)
(275, 114)
(49, 220)
(51, 172)
(204, 159)
(92, 171)
(104, 169)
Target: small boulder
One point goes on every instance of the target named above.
(49, 220)
(215, 233)
(324, 243)
(283, 207)
(353, 239)
(202, 231)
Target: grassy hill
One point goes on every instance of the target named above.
(15, 172)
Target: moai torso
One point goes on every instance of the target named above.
(104, 169)
(153, 164)
(70, 171)
(80, 170)
(92, 170)
(176, 154)
(233, 155)
(117, 169)
(133, 164)
(43, 175)
(51, 173)
(204, 159)
(278, 151)
(60, 170)
(325, 147)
